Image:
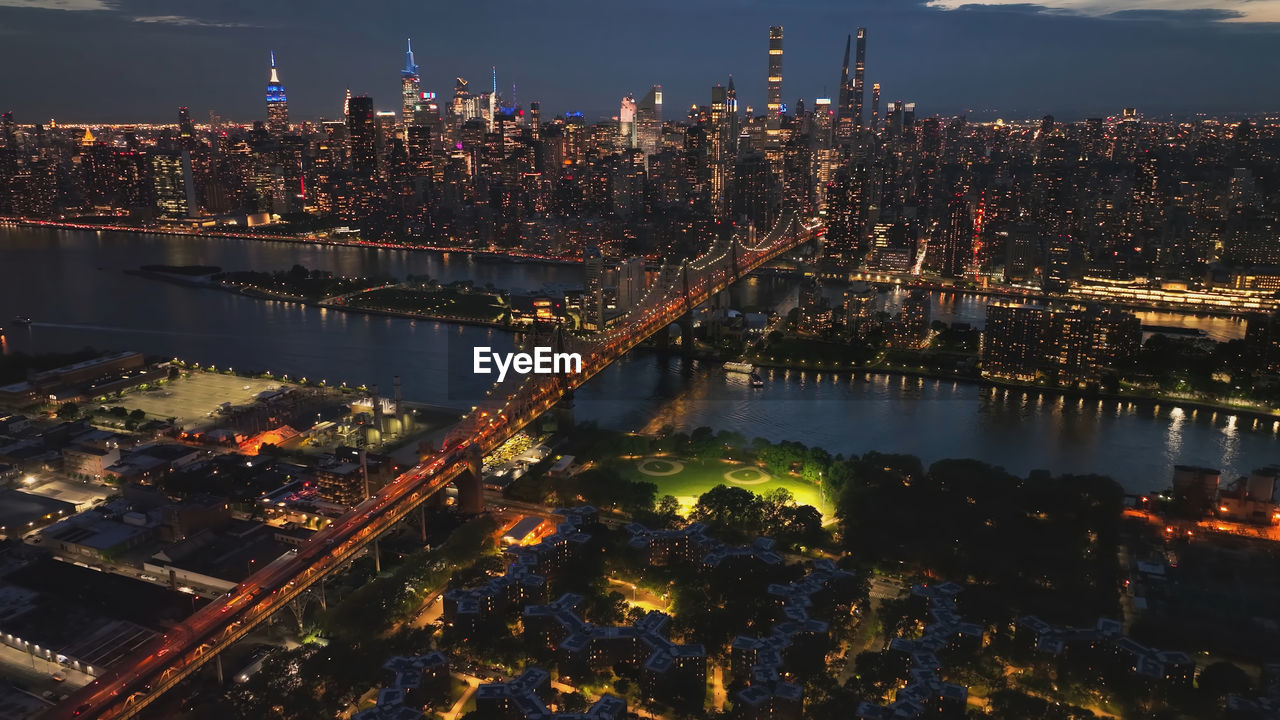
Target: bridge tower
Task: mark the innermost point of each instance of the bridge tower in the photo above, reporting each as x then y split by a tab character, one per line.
686	320
562	411
470	487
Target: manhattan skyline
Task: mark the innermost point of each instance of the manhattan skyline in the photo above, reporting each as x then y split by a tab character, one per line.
1072	59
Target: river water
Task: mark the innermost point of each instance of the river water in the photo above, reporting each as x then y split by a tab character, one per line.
73	285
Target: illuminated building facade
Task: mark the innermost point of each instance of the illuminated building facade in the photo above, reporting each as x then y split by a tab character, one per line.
773	107
627	123
277	102
649	121
409	90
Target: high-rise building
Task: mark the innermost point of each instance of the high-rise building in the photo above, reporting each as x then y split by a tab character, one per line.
773	119
859	308
1013	340
1078	345
535	121
186	129
731	110
277	103
173	184
844	105
875	106
912	328
649	121
719	155
859	77
409	90
957	240
631	282
362	129
627	122
1021	252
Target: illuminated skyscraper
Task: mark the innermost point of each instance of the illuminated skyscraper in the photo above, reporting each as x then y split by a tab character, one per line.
649	121
731	108
535	121
277	103
774	107
844	106
173	184
875	106
186	130
719	156
409	92
627	122
859	71
957	241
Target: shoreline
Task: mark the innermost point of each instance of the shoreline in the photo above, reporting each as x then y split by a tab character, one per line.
256	294
514	256
1141	401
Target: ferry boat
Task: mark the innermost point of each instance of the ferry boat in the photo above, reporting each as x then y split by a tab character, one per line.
756	380
739	367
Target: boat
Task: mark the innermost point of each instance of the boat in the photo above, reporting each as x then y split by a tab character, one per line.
756	380
21	320
739	367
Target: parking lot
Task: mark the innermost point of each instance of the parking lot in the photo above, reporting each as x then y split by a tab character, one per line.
191	399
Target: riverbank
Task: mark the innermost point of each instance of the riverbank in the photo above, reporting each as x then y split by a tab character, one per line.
1136	399
504	255
206	282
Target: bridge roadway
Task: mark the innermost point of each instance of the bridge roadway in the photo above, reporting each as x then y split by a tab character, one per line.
135	682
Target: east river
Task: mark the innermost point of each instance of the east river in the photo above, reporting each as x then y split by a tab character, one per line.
73	286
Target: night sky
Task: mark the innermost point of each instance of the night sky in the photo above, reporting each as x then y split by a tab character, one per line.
137	60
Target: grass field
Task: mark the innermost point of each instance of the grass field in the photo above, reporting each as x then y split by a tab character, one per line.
687	479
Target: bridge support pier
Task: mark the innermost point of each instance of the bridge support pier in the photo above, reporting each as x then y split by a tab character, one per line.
422	521
470	487
218	664
562	413
377	557
662	338
686	333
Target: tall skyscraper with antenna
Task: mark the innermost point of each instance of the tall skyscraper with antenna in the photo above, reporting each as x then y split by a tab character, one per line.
277	103
773	121
409	91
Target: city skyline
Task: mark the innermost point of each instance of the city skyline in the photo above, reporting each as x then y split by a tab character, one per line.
947	58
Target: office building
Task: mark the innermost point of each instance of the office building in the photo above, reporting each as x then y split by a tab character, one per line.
277	102
362	130
649	121
773	107
627	123
859	77
409	89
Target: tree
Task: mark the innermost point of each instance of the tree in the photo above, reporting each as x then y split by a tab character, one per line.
68	411
668	506
1223	678
731	511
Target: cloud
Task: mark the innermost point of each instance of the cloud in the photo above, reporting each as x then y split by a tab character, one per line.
75	5
184	21
1244	11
